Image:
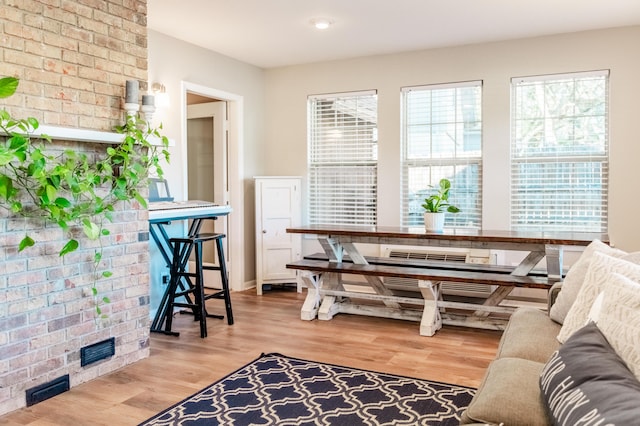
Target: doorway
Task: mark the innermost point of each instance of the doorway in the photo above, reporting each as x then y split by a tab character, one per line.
211	131
207	178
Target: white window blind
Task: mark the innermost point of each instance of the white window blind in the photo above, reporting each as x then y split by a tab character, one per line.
559	152
442	138
343	158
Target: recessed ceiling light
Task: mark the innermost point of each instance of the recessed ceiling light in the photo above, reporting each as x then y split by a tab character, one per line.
321	23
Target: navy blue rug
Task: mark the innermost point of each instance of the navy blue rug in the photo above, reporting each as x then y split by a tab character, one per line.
279	390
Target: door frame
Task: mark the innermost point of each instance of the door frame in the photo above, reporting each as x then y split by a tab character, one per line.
235	171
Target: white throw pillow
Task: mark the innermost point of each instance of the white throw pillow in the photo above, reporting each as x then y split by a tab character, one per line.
619	319
596	308
599	273
575	277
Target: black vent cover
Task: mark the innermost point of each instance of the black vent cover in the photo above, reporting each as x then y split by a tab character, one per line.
47	390
97	351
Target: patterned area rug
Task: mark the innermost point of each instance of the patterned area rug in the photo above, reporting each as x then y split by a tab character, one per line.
279	390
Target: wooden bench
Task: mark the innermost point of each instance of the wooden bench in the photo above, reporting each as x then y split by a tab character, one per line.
324	281
432	264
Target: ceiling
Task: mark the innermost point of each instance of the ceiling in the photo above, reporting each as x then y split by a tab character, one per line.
275	33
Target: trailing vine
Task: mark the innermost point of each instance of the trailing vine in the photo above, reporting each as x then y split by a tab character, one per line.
71	189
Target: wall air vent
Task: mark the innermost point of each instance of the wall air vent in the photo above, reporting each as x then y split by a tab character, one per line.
458	255
47	390
97	351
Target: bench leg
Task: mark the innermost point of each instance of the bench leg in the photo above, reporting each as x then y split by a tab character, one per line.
328	308
431	319
328	305
310	306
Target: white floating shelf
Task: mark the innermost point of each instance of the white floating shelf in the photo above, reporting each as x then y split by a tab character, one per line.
81	135
86	135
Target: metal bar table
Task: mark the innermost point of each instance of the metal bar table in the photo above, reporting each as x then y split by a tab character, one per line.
161	214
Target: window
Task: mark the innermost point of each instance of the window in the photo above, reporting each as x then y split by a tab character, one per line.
442	138
559	152
343	158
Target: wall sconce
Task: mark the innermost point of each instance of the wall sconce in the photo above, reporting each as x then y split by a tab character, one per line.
148	107
131	97
162	97
149	101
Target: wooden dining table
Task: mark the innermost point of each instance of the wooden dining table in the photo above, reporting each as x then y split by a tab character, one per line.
340	244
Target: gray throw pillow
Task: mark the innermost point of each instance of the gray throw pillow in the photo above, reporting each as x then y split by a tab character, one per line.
586	382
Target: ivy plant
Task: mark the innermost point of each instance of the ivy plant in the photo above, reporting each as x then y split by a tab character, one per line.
69	188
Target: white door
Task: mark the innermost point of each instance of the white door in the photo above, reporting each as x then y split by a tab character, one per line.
278	207
207	177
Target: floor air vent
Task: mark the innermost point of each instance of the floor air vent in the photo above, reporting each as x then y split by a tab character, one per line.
97	351
47	390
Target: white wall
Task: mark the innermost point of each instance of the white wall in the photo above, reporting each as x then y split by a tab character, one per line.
495	63
171	62
275	111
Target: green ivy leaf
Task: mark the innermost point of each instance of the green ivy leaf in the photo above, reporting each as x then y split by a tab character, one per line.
6	157
6	187
107	274
26	242
106	299
8	86
140	199
72	245
91	230
62	202
97	257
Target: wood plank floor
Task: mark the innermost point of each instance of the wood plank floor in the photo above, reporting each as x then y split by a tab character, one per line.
180	366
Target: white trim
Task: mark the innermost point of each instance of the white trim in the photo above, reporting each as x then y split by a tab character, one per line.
472	83
562	76
343	94
235	155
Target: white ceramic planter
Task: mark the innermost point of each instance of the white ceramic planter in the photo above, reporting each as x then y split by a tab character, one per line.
434	222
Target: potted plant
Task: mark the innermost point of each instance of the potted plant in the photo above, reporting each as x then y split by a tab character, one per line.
436	205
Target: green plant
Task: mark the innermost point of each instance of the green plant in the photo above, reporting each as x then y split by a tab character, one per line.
439	201
68	188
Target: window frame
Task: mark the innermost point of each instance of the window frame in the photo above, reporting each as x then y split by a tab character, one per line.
471	214
583	207
343	182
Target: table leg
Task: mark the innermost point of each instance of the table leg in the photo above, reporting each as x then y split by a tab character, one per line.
528	263
494	299
332	248
431	320
554	261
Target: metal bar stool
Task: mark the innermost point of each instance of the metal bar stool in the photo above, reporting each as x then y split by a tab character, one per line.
185	283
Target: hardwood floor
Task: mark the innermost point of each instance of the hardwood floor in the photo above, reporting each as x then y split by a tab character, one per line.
180	366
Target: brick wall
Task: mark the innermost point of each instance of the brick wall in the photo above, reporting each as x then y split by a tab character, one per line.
73	58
